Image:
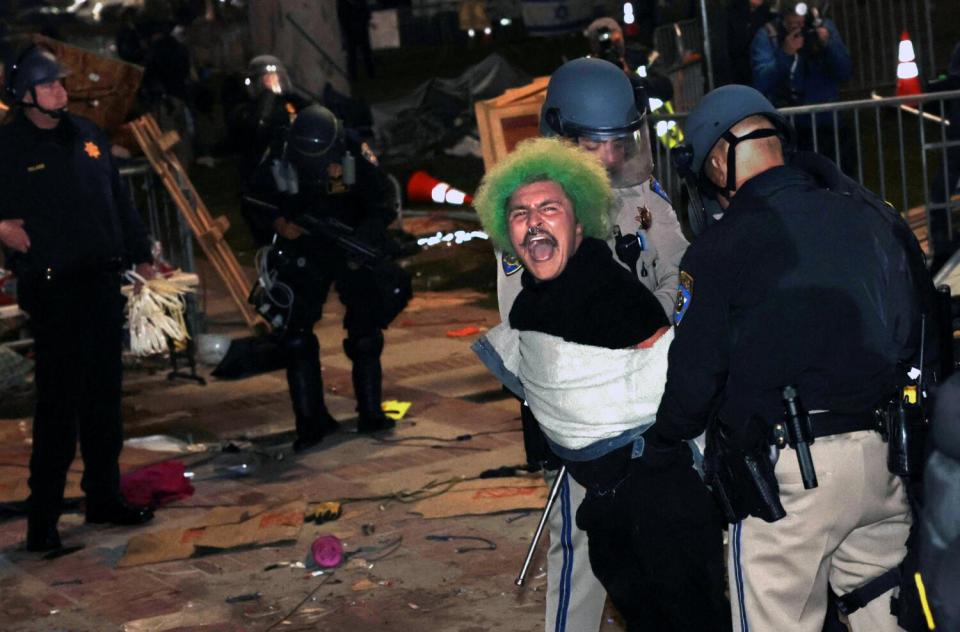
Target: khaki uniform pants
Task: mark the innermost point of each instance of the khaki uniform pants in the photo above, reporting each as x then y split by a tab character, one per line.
847	531
575	598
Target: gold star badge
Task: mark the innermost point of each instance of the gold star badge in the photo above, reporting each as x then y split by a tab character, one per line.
644	217
91	148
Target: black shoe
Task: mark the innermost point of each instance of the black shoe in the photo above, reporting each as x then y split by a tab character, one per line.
374	423
302	444
42	537
118	512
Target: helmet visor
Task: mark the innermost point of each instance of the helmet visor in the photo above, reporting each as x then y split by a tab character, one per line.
270	78
627	158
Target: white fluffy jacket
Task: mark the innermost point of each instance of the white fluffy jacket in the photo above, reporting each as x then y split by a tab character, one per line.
582	394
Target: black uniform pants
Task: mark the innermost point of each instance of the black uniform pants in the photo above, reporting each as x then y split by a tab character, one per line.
356	288
77	327
656	545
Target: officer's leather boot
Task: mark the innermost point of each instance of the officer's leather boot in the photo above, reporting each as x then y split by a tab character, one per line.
116	511
367	382
313	421
42	532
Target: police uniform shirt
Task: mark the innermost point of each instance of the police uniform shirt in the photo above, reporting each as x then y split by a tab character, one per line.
65	186
796	285
645	210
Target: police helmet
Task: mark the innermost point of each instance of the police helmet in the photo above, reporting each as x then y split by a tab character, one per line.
593	101
315	140
33	67
707	123
266	73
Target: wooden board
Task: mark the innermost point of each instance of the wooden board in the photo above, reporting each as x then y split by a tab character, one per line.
157	147
510	118
100	88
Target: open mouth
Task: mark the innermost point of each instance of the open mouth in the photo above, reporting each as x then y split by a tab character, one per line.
540	247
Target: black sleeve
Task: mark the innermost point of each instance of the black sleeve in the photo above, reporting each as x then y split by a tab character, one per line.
376	191
699	355
136	243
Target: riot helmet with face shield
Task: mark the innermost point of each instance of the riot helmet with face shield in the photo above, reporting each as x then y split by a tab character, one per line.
707	124
266	73
316	147
595	104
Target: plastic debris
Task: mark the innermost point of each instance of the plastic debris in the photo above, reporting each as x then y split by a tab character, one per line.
470	330
324	512
242	598
394	409
327	551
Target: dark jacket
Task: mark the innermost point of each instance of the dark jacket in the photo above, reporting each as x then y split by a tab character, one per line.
594	301
65	185
798	284
816	77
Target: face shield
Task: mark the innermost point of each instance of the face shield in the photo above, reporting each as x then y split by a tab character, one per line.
270	78
627	158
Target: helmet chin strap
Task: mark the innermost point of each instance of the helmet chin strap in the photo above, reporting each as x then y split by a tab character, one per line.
733	141
55	114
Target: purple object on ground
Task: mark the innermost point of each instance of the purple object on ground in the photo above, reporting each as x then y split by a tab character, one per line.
327	551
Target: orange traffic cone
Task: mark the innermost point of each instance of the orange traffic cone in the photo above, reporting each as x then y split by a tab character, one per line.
908	75
423	187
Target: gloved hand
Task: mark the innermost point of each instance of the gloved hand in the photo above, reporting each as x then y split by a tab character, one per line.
661	453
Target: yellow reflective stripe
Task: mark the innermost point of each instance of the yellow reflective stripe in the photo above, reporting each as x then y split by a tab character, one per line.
923	601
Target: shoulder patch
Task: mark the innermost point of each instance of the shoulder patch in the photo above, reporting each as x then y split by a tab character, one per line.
656	188
510	264
684	296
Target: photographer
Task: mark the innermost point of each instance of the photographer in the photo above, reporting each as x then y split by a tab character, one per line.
799	59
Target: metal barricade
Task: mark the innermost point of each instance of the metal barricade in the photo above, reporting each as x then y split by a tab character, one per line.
871	30
680	52
898	147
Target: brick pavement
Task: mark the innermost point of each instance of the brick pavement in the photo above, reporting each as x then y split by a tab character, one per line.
423	585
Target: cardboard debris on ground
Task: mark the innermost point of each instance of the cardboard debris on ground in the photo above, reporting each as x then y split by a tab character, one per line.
220	529
193	615
434	300
486	496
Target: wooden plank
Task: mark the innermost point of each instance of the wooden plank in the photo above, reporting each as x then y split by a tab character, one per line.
208	231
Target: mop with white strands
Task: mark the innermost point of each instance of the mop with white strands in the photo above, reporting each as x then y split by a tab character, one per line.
155	314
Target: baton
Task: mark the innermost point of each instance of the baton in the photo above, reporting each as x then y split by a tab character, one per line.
799	435
551	499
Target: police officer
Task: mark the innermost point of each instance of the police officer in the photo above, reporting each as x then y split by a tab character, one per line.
68	228
262	123
322	176
608	121
807	280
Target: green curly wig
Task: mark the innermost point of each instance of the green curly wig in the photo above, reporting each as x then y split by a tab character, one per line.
581	175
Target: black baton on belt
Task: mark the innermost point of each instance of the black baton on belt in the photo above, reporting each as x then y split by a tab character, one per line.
799	435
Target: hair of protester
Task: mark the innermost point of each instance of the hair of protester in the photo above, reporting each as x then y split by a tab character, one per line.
581	176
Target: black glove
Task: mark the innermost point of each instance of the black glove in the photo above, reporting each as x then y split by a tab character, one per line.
661	453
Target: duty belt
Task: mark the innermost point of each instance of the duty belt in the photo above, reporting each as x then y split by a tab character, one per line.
78	272
827	424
